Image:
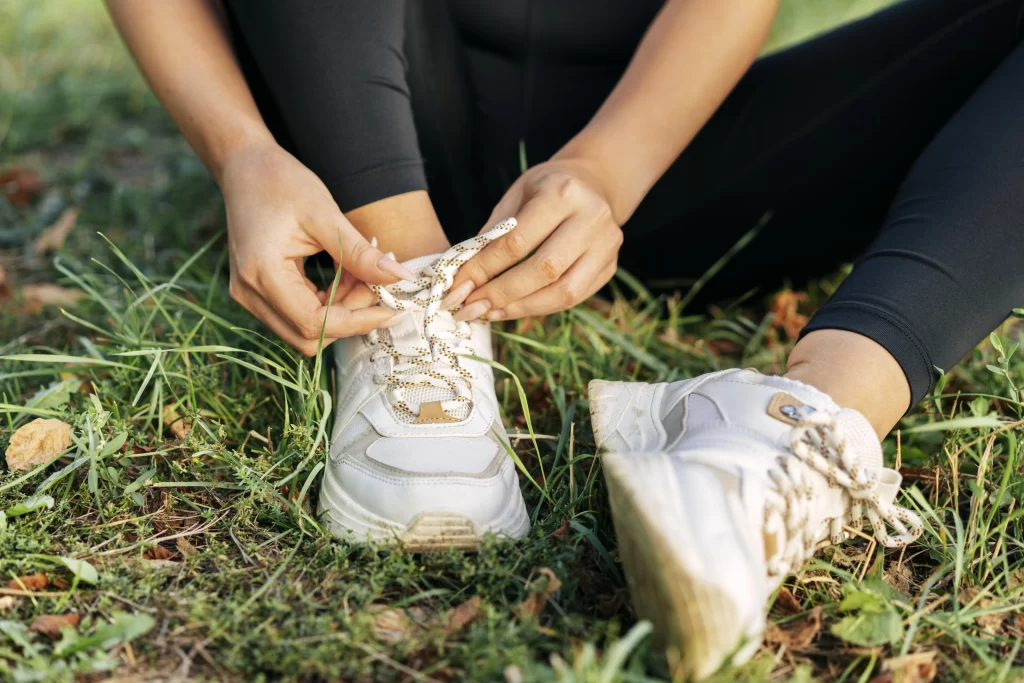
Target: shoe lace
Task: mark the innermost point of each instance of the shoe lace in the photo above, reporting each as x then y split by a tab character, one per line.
817	444
435	364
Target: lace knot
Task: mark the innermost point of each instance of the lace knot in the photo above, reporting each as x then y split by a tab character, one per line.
817	444
435	361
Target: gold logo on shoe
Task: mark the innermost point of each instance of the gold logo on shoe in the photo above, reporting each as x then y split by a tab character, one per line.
433	413
787	408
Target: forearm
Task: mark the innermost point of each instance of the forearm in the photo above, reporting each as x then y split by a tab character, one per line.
692	56
183	51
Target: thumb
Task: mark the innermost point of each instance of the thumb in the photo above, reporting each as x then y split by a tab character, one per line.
358	257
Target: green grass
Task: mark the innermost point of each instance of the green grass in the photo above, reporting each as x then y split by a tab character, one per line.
253	588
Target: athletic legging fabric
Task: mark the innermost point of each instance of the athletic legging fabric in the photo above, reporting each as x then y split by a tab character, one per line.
896	141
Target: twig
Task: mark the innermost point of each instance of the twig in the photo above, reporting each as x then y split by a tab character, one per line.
31	594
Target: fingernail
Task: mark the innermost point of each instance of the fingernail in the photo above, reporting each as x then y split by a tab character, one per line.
496	315
474	310
373	242
393	267
457	295
390	322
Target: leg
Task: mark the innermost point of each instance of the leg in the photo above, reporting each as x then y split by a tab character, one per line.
820	135
331	81
945	270
873	347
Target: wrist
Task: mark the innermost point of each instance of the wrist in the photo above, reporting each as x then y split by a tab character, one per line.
588	152
229	146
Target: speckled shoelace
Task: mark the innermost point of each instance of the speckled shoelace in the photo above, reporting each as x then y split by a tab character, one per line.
437	363
816	443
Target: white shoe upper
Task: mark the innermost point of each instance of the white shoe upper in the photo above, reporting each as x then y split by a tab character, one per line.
765	468
417	427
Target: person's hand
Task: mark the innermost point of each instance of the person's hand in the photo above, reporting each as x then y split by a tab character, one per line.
563	213
279	212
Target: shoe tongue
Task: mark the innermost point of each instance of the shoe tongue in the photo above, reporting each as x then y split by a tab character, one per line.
406	329
807	394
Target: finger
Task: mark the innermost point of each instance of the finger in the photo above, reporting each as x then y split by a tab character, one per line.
507	206
554	257
580	282
345	285
340	321
359	297
256	305
537	219
357	256
307	316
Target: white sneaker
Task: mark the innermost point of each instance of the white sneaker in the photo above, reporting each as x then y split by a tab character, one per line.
419	455
723	485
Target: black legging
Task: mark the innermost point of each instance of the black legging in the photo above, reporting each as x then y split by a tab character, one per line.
905	128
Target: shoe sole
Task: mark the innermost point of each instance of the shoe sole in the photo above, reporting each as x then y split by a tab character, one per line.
430	531
692	618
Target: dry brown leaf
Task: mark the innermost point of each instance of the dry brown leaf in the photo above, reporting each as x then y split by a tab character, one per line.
784	306
799	633
35	582
20	184
59	583
989	623
37	442
786	603
51	624
52	238
563	531
185	548
394	625
534	603
7	603
918	667
898	576
463	614
157	552
34	297
180	427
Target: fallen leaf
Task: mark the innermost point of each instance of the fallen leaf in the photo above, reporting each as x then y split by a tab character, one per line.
185	548
799	633
51	624
7	603
463	614
35	582
34	297
787	318
157	552
52	238
20	184
786	603
562	532
898	576
989	623
37	442
59	583
918	667
179	426
394	625
541	589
